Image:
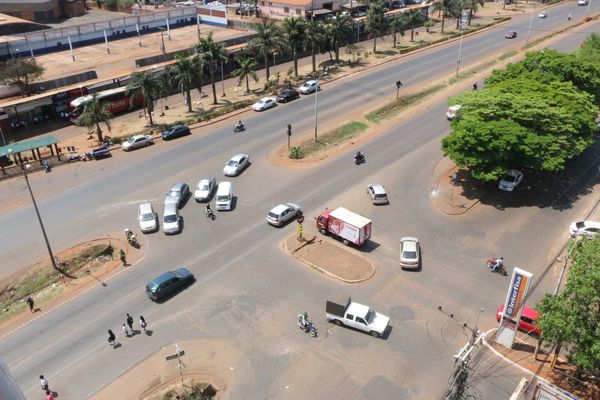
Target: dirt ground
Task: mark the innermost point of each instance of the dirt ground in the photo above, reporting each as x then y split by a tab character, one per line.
332	259
563	376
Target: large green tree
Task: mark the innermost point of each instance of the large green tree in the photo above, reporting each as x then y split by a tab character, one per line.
213	53
550	66
520	123
20	72
186	73
269	38
415	18
573	317
339	27
590	49
148	85
95	113
294	32
375	21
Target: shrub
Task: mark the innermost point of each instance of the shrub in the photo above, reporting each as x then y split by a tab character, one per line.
296	153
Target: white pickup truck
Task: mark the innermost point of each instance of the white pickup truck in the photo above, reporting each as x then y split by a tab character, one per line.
355	315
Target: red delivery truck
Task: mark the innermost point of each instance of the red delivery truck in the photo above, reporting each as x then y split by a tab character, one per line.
350	227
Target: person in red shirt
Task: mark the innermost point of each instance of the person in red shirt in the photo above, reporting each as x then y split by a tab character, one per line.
50	395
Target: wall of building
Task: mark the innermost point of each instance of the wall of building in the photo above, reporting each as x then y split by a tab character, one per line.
81	35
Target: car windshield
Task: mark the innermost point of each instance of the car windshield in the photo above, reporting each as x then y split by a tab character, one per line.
152	286
203	186
380	196
177	274
580	225
173	193
411	255
222	198
131	140
370	316
232	163
509	178
170	218
273	215
148	217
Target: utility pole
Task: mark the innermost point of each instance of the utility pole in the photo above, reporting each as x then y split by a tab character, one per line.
458	384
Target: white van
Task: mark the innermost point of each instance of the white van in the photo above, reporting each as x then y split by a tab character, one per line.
224	196
453	112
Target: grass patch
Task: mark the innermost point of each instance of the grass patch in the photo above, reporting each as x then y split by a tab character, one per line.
41	281
372	118
404	101
334	136
508	54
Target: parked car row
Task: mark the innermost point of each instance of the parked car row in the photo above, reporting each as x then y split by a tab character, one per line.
286	95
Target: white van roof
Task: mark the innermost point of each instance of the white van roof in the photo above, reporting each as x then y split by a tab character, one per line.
224	188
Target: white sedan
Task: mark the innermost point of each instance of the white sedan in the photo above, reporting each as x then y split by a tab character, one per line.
309	87
236	165
584	228
264	103
282	213
410	252
136	142
510	181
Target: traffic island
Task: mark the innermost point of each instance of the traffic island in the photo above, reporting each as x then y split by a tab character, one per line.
332	259
85	265
195	369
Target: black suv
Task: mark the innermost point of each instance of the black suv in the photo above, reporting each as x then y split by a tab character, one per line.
169	283
287	95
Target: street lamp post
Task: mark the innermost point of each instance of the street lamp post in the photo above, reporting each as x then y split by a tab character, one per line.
316	104
24	168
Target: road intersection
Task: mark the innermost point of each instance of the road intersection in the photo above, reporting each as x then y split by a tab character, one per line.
248	291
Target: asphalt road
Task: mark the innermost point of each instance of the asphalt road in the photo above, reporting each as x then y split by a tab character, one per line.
248	293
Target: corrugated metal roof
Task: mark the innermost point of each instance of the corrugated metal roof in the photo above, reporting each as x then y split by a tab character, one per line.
20	147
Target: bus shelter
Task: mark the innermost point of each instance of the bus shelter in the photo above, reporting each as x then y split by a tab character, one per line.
16	150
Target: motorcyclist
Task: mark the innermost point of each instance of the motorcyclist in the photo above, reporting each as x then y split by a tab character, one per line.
239	125
569	17
303	320
359	156
208	210
497	264
475	86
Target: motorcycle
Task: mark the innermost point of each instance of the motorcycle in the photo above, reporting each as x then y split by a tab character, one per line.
209	213
359	158
131	238
239	128
47	166
308	327
491	262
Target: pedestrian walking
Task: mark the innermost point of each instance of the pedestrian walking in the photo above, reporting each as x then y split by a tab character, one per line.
30	302
126	330
43	382
49	395
122	255
112	339
143	323
130	321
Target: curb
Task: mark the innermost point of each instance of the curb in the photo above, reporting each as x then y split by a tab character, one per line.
324	271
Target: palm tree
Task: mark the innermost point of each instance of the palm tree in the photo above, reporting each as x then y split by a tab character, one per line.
186	74
414	18
337	29
313	34
294	32
212	52
148	85
246	69
398	25
94	114
269	38
375	20
444	7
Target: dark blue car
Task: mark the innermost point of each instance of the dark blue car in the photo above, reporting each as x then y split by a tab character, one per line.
175	132
169	283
